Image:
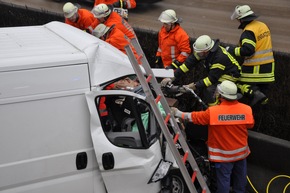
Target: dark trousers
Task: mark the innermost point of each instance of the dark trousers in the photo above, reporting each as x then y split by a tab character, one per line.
235	171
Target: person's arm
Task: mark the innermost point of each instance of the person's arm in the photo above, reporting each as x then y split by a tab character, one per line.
197	117
183	45
247	45
188	65
215	72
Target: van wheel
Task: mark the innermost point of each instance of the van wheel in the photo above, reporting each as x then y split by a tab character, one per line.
178	183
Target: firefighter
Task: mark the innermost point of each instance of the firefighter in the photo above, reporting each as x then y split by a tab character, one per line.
125	4
113	36
79	18
227	136
108	17
255	47
219	64
173	42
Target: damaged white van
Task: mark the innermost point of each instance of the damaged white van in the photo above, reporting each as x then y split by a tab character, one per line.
53	137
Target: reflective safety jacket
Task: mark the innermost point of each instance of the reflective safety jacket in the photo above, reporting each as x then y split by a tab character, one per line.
173	45
115	19
86	21
220	65
130	3
119	40
256	48
228	130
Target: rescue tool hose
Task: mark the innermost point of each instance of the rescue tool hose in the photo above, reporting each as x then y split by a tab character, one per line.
196	96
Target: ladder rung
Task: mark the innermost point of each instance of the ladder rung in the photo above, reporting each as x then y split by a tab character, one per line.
148	79
176	137
158	98
139	58
193	176
185	156
167	118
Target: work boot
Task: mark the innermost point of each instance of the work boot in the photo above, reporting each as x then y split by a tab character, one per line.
258	97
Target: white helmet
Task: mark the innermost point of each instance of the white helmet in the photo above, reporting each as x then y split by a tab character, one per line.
100	30
228	90
168	16
241	11
69	10
101	10
203	44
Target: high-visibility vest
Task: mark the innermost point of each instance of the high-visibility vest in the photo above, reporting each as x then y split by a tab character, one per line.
228	135
263	49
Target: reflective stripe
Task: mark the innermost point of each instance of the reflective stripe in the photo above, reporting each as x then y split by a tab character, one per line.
217	65
225	152
207	82
247	61
173	64
184	68
184	54
227	77
238	51
248	41
256	76
172	49
220	158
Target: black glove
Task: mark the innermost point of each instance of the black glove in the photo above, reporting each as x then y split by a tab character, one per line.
158	62
175	64
120	4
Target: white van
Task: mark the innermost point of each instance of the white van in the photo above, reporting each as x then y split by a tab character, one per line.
53	138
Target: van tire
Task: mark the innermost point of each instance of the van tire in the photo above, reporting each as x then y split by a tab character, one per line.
178	183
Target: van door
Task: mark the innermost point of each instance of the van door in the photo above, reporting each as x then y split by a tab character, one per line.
126	140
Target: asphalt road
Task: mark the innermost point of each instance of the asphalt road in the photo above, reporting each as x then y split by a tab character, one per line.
211	17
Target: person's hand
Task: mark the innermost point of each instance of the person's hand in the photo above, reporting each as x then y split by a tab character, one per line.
190	86
158	62
166	82
175	112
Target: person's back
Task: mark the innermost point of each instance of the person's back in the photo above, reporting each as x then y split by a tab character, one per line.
227	137
79	18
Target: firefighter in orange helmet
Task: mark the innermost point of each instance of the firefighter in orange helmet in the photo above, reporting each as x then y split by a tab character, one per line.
126	4
79	18
227	136
173	42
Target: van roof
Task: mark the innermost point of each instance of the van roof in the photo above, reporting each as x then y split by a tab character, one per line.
58	44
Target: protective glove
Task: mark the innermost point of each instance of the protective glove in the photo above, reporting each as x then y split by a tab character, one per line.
175	112
190	86
158	62
166	82
120	4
